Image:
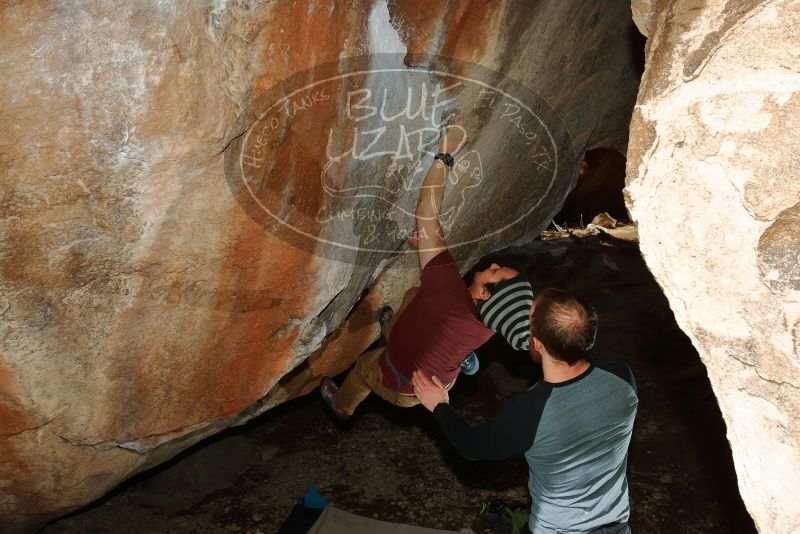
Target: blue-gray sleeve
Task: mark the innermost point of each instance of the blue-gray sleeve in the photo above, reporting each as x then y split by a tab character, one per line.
509	432
621	370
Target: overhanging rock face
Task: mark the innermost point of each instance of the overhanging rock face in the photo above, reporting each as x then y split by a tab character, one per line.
146	301
714	184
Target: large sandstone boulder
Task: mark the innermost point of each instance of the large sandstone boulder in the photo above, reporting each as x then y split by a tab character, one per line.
714	184
145	304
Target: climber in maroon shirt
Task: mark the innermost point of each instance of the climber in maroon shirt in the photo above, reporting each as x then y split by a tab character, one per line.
437	326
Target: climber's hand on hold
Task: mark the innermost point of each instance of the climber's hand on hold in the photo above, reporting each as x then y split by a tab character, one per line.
454	137
413	240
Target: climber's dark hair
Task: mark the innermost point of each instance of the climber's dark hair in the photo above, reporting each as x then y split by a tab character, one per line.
564	323
518	262
483	264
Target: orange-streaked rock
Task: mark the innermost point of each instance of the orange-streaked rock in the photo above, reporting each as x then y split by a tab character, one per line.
142	307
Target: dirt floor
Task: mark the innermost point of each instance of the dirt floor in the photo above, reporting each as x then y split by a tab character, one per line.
394	464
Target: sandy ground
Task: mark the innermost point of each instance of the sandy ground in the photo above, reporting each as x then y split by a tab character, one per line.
395	465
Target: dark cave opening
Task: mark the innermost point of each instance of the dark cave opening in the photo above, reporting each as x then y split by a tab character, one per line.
601	178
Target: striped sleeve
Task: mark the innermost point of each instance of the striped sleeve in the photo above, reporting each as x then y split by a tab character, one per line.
507	312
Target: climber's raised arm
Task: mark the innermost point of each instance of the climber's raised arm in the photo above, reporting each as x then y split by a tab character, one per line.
430	236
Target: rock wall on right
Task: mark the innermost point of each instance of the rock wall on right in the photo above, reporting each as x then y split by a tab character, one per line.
714	185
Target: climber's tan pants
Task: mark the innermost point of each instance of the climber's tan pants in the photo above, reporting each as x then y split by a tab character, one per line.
367	377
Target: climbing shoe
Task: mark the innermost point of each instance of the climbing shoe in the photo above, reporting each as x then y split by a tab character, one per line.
470	365
506	517
385	315
327	387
